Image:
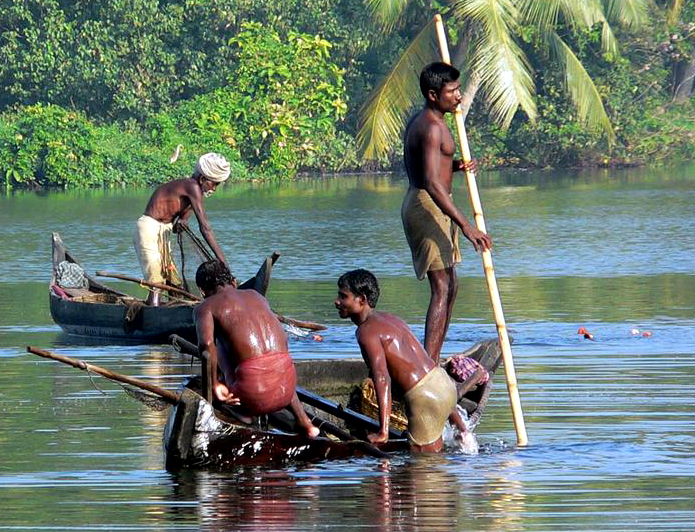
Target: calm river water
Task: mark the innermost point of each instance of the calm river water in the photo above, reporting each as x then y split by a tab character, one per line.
611	422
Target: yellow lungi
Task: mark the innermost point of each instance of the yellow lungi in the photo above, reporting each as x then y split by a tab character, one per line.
431	234
152	245
428	404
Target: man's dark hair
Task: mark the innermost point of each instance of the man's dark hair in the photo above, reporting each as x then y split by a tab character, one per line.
212	274
435	75
361	283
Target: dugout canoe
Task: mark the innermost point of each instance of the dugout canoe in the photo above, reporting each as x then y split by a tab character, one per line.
102	312
198	435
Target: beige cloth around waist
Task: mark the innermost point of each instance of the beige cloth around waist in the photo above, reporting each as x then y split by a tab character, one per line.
428	404
432	235
152	245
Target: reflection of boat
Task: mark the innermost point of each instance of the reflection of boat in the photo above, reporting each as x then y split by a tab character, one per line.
99	311
198	435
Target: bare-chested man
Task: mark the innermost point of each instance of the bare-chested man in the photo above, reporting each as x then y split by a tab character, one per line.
171	204
430	218
247	341
394	355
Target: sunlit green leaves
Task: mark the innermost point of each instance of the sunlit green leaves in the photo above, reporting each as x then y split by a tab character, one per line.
384	111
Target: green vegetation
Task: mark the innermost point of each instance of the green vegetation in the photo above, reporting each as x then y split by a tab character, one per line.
101	93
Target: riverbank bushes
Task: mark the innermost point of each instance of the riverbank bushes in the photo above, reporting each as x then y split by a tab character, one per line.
102	93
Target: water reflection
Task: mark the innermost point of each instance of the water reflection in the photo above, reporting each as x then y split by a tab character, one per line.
419	494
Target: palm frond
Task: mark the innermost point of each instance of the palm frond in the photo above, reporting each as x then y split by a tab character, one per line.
674	11
582	90
387	12
504	69
385	110
586	13
543	15
628	13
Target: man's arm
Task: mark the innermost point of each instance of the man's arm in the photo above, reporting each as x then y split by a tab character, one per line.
375	357
432	181
205	329
196	199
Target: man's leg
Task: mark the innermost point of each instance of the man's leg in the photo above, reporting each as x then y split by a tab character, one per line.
443	288
434	447
153	298
302	419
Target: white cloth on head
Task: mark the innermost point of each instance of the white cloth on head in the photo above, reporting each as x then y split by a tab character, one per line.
214	167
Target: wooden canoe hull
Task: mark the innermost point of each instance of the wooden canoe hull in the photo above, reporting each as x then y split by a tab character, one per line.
147	324
195	437
198	436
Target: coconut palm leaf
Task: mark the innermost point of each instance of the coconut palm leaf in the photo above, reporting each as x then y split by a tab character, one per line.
504	69
587	13
387	12
543	15
582	90
674	11
628	13
384	112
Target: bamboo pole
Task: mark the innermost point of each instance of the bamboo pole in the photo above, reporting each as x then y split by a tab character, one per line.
169	396
510	374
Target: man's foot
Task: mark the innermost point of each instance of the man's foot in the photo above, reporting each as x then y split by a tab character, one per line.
312	431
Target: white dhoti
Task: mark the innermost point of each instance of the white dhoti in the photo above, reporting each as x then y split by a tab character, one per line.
152	245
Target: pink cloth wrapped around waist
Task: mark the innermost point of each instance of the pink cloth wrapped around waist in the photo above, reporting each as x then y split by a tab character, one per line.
266	383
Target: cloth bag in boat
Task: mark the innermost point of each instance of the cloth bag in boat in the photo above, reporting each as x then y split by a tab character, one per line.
70	275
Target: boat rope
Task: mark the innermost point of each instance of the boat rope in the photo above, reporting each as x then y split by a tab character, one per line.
89	374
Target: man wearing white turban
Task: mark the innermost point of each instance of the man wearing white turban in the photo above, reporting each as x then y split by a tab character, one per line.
171	204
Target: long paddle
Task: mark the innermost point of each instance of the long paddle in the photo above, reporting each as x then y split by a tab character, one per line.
167	395
310	398
283	319
510	374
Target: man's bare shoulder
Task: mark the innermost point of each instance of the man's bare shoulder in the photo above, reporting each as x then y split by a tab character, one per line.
424	128
380	324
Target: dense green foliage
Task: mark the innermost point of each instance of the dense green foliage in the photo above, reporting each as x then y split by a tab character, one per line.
101	93
267	116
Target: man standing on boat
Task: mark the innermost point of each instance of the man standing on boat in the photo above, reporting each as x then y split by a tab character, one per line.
394	355
245	339
430	217
170	205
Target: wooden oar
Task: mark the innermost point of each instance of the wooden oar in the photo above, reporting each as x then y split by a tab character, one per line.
149	284
283	319
167	395
184	346
517	414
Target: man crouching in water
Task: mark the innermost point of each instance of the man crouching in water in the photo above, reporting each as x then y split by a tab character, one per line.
246	340
392	353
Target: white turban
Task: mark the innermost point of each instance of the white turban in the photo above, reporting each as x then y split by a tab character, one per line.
214	167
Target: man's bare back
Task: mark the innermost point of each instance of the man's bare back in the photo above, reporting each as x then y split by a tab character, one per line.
172	200
406	360
243	323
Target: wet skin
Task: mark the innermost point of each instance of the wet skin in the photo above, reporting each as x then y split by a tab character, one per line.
173	202
393	355
429	160
236	325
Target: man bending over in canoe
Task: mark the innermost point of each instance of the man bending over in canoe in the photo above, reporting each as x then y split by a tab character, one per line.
393	354
171	204
247	341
